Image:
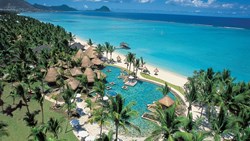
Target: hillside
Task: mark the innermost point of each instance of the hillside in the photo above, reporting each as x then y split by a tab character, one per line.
103	9
17	5
54	8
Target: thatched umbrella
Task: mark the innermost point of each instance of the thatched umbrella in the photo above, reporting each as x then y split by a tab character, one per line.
166	101
118	58
76	71
156	71
79	55
86	62
90	75
91	52
72	83
100	74
52	75
97	61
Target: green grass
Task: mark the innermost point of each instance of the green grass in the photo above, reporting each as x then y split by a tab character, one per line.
17	129
178	88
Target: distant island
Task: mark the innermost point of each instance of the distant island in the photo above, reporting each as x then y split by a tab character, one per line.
103	9
22	6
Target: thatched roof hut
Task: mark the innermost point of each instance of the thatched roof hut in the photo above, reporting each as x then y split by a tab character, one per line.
86	62
166	101
90	75
91	52
72	83
97	61
51	76
76	71
77	46
100	74
79	55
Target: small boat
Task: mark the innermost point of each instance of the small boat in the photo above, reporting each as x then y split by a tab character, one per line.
124	45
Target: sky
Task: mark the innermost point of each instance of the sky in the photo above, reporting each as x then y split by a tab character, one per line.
240	8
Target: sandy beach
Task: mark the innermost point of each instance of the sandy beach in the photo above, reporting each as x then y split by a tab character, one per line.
163	74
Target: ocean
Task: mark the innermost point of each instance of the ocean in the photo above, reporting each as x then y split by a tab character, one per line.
178	43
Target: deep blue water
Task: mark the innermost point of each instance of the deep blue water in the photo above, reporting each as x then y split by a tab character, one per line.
142	93
173	45
189	19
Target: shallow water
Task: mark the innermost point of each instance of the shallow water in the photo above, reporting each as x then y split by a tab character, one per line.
181	48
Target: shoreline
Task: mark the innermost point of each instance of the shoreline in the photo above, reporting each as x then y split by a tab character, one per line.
166	75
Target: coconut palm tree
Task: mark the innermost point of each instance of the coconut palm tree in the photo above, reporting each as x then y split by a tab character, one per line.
89	42
22	93
192	136
37	134
99	87
111	49
106	48
30	118
3	130
130	59
164	90
53	126
136	65
106	137
84	82
142	62
120	114
40	99
100	116
168	125
67	96
99	50
190	93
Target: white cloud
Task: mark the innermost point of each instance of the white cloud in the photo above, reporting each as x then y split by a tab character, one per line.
145	1
195	3
227	5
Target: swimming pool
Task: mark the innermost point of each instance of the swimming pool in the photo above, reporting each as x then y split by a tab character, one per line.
142	93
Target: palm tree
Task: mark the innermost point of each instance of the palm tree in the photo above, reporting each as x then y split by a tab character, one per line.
164	90
89	42
106	137
100	116
142	62
192	136
40	99
22	93
190	93
111	49
106	48
136	65
121	114
168	125
130	59
3	131
68	95
84	82
99	87
37	134
54	127
99	50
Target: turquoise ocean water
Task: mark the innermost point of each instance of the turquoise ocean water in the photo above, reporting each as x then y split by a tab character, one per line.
178	47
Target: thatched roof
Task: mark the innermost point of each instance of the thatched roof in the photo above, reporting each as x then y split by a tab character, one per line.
72	83
91	52
79	55
77	46
86	62
76	71
52	75
166	101
97	61
100	74
90	74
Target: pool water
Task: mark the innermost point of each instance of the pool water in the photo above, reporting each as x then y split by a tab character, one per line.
142	93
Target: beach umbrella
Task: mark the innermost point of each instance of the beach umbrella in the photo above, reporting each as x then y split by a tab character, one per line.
166	101
156	70
90	52
131	77
86	62
90	138
118	58
82	133
73	83
97	61
51	75
78	95
76	71
90	75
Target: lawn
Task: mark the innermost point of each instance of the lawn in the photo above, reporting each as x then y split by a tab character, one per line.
17	129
